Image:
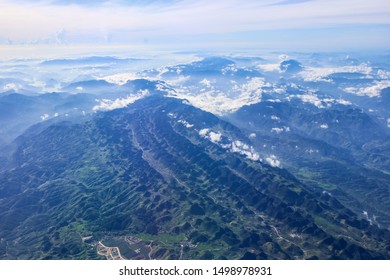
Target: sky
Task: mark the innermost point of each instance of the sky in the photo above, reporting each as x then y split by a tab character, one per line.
299	25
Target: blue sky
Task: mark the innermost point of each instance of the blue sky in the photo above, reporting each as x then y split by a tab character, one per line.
189	24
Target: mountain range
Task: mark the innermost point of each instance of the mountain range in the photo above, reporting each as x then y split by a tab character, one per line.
219	158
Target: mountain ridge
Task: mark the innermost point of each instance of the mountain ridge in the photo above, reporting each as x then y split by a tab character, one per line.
138	170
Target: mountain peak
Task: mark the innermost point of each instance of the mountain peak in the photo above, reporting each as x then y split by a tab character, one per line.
290	66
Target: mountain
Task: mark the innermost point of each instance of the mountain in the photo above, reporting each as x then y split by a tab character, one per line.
162	179
220	157
290	66
94	86
18	111
341	150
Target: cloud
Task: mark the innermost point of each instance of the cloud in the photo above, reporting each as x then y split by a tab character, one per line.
95	3
108	104
108	2
214	137
324	126
320	103
221	102
313	74
279	130
244	149
44	117
373	90
135	21
383	74
273	161
203	132
269	67
290	2
121	78
236	146
310	98
206	83
185	123
12	86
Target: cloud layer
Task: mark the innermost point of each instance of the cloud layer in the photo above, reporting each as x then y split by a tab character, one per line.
57	22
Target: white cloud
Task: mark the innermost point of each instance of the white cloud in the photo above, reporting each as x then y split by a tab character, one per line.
373	90
232	146
38	84
44	117
254	86
221	102
206	83
229	69
12	86
171	115
215	137
203	132
320	103
252	135
178	81
240	145
324	126
343	102
383	74
279	90
388	122
43	19
244	149
283	57
274	100
121	78
273	161
313	74
310	98
275	118
269	67
327	193
108	104
279	130
185	123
